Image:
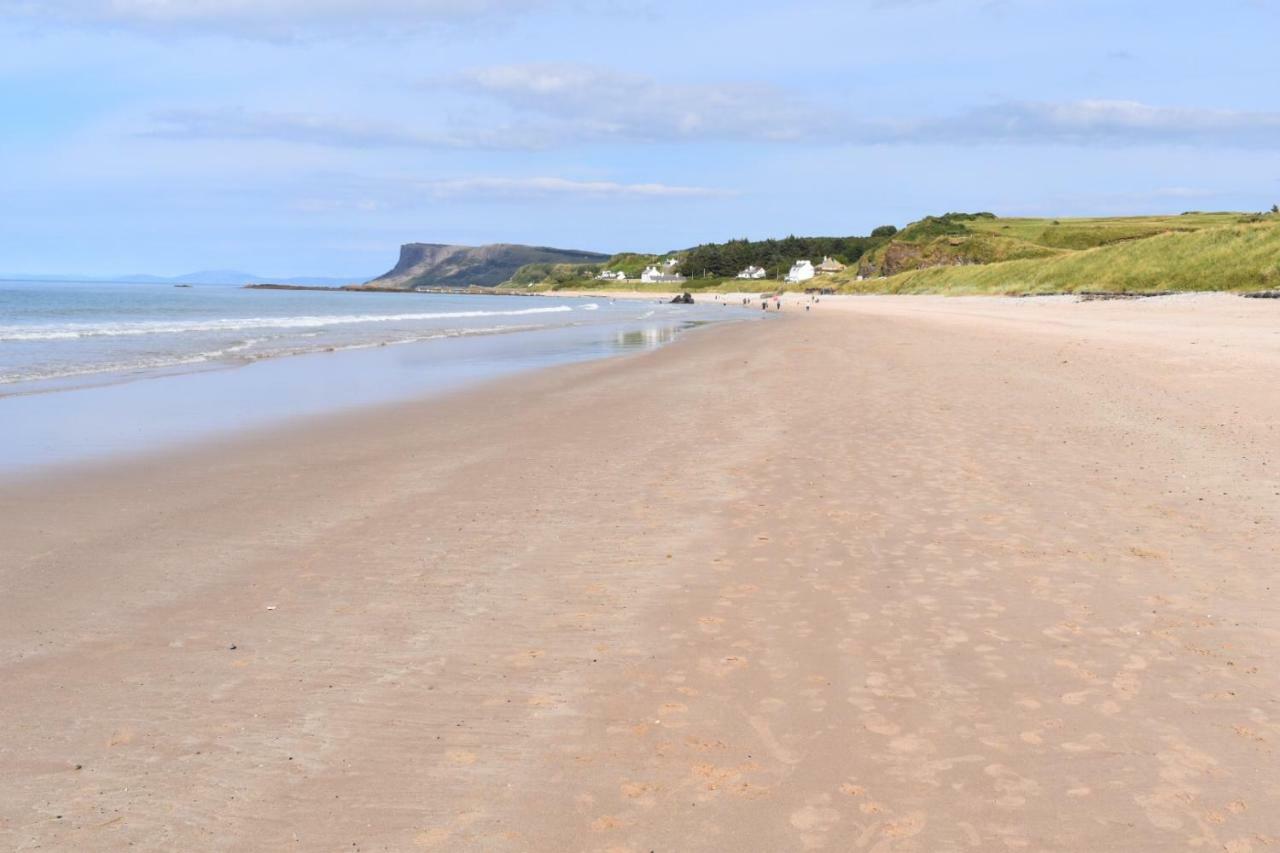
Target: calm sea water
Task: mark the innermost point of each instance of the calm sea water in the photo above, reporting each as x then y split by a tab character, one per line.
92	370
57	330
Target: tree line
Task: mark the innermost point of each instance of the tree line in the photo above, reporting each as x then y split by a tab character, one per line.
725	260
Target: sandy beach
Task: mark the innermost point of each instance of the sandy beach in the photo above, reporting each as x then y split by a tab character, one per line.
891	574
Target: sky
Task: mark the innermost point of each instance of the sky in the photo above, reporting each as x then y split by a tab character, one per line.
313	137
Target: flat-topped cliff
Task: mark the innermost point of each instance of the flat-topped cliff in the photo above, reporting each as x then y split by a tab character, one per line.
441	265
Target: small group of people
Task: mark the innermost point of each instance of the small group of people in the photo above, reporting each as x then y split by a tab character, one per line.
764	302
777	302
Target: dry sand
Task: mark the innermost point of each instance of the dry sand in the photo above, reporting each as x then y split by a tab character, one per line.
891	575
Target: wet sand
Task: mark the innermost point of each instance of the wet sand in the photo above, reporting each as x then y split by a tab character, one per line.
901	574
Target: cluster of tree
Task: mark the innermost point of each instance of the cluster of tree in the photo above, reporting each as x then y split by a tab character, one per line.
558	274
941	226
725	260
1261	216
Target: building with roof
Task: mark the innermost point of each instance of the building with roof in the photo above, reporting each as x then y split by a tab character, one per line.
830	266
652	275
801	271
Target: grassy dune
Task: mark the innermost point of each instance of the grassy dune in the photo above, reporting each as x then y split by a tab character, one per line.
1088	233
1214	257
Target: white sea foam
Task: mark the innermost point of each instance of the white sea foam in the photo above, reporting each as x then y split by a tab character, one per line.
72	331
240	352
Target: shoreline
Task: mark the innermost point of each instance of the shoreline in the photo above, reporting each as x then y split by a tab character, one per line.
103	413
795	585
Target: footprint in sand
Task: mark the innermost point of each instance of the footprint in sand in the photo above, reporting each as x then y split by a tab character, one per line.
1089	743
1013	788
723	666
639	792
878	724
814	821
912	824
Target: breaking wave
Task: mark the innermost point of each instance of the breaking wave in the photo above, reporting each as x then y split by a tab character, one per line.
72	331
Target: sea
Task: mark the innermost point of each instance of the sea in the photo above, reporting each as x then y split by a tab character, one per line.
89	371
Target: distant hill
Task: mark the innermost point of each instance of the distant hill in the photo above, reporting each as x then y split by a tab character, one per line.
981	253
439	265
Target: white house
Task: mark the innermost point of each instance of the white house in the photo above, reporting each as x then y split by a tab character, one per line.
652	274
610	275
801	271
753	273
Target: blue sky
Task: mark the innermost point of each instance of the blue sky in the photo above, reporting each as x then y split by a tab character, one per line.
312	137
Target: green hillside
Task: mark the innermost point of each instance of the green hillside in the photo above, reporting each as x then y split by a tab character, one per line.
1088	233
1201	252
982	253
707	266
958	239
577	276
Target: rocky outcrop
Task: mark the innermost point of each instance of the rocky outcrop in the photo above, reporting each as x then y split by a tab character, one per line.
440	265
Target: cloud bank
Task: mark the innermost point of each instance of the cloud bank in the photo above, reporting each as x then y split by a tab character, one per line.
543	106
271	19
486	187
405	194
324	130
1092	122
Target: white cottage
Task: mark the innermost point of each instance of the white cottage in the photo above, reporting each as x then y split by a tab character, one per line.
801	271
652	275
753	273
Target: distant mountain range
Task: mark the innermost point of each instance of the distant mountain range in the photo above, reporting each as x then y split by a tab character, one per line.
440	265
201	277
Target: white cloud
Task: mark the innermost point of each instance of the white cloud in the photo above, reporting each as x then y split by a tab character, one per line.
527	107
543	187
262	18
1092	122
583	104
399	194
586	103
330	131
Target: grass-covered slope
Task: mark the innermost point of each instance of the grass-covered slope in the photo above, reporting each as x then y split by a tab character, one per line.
958	239
1089	233
1214	256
